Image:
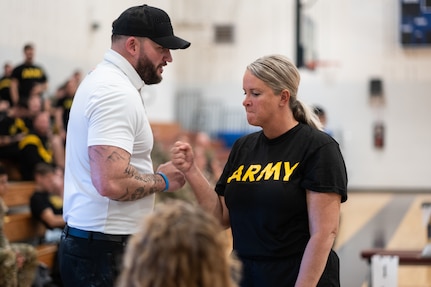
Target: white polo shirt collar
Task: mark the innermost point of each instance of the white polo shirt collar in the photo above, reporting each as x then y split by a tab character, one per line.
116	59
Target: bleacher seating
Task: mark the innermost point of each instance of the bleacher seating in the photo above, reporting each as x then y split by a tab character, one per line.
19	225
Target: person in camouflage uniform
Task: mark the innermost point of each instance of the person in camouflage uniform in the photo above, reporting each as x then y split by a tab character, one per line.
18	261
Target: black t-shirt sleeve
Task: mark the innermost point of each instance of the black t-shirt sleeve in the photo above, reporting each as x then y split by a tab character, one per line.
16	73
38	204
29	157
326	171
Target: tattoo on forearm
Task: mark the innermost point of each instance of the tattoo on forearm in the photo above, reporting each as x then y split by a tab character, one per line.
130	171
141	191
133	173
128	195
147	184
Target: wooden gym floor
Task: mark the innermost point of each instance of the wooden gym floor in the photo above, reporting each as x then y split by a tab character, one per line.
381	220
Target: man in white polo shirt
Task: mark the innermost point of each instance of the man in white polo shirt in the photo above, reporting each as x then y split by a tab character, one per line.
109	178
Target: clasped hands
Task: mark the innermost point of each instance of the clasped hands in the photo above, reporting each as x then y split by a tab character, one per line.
182	160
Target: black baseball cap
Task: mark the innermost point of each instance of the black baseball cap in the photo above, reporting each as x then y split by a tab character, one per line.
150	22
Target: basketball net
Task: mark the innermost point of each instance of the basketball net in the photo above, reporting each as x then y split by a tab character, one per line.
314	64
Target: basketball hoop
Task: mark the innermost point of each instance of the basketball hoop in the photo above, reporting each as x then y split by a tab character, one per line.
311	65
314	64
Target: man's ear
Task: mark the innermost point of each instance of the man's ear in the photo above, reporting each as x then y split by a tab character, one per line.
132	45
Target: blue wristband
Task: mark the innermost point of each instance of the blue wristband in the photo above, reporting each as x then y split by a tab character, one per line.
165	178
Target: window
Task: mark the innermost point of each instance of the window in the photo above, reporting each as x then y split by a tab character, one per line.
223	34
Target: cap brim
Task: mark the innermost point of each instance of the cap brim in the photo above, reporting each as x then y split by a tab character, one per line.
172	42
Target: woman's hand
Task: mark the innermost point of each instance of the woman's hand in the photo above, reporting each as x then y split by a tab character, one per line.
182	156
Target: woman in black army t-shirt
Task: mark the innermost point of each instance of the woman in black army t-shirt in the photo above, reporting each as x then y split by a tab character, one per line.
281	188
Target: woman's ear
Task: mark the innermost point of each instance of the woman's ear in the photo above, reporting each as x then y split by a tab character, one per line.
284	97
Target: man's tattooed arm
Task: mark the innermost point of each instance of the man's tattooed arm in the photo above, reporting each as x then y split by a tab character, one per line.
114	177
151	184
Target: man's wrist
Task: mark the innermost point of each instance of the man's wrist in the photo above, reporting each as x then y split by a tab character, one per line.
166	180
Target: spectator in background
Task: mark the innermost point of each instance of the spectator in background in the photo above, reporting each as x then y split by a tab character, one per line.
63	105
18	261
25	75
179	245
36	101
5	82
40	145
46	206
77	77
18	121
46	203
321	114
13	127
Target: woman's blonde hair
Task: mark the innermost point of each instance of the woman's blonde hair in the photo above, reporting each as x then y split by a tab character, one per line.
179	245
279	73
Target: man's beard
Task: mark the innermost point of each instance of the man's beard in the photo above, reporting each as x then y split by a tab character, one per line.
147	71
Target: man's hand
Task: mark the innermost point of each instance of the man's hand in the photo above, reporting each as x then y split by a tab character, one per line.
174	175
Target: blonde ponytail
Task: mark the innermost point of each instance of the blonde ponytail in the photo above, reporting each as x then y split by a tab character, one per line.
304	114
